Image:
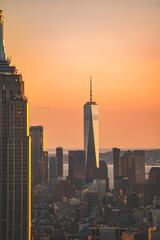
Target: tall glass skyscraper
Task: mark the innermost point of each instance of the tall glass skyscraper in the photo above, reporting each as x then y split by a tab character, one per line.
15	161
91	136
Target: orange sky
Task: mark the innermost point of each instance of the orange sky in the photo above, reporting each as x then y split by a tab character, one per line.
57	44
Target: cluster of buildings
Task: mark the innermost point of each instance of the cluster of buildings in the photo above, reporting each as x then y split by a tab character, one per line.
37	202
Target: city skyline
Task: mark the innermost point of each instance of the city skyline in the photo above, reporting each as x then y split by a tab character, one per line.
117	44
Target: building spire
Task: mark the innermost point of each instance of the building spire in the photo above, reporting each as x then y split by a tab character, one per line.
90	89
2	46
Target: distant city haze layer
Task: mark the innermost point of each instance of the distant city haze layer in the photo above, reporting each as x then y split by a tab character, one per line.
57	45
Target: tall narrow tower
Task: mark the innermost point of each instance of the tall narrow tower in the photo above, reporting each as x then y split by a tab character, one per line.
37	147
15	162
91	136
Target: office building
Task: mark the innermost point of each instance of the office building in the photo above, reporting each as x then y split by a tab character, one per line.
77	173
154	178
15	158
52	171
139	164
132	166
116	161
59	157
37	142
116	170
91	136
44	168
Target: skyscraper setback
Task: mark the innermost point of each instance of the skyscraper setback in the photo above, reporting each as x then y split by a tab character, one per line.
91	136
15	161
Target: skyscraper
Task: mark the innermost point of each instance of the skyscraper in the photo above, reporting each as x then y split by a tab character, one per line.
77	173
116	161
52	171
37	140
44	168
139	164
59	157
116	172
15	161
91	136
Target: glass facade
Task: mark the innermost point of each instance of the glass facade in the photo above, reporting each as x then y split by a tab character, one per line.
91	138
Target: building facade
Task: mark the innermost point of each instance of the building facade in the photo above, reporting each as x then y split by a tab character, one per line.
59	157
37	141
91	137
15	157
52	171
77	173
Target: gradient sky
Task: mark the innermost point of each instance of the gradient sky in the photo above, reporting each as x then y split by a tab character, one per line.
57	44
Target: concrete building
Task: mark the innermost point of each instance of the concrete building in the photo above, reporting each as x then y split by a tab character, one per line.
15	159
91	137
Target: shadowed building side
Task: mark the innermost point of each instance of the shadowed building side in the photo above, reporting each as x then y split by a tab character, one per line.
77	173
37	141
59	157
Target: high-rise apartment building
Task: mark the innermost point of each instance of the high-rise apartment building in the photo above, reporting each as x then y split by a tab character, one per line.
77	173
37	142
59	157
91	136
15	161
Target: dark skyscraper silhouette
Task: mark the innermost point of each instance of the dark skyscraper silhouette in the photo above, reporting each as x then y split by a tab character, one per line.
77	173
116	173
52	170
59	157
15	162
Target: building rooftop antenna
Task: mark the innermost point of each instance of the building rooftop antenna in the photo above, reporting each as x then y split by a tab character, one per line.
91	89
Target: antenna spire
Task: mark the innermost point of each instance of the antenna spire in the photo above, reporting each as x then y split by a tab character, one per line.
90	89
2	47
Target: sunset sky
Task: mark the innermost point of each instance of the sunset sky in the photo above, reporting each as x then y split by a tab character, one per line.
58	44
